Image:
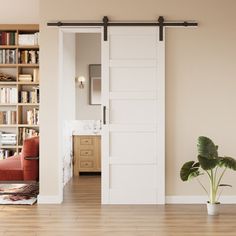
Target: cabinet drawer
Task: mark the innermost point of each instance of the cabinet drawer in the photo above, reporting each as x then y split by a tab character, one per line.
86	164
86	141
85	153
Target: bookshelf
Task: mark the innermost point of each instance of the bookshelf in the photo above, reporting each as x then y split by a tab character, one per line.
19	86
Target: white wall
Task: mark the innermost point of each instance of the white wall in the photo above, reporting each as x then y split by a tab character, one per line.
88	51
200	79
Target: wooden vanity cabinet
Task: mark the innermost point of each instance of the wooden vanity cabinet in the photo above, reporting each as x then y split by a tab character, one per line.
87	153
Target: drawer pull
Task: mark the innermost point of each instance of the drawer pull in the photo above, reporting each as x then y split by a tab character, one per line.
104	115
86	141
88	164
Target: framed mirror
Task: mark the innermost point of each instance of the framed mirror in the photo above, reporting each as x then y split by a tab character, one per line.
95	84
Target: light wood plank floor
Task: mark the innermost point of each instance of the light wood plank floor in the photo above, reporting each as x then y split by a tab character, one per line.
81	214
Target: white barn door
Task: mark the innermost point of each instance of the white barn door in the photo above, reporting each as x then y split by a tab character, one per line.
133	135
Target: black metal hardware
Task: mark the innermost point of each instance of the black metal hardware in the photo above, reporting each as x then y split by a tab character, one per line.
31	158
161	26
59	24
104	115
105	23
184	23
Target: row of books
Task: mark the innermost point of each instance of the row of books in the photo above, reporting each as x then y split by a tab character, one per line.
10	38
28	39
5	153
7	38
29	96
8	139
25	133
7	56
8	95
32	116
7	117
29	57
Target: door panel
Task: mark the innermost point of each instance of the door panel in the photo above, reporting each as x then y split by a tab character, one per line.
121	79
133	135
140	176
123	147
144	44
132	111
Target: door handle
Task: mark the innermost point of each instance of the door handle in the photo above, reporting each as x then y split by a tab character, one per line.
104	114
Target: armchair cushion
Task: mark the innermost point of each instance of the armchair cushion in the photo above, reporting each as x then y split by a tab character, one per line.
10	169
19	168
30	166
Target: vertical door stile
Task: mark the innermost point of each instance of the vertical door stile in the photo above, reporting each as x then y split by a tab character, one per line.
105	121
161	119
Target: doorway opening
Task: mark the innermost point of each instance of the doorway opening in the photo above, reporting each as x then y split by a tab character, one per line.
81	64
87	129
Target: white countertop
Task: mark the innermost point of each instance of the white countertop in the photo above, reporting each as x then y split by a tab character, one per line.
86	133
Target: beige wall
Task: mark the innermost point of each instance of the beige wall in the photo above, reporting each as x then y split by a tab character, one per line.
200	78
19	12
88	51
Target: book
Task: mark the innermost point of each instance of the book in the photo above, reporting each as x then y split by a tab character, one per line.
32	116
25	133
12	56
36	75
26	39
5	153
25	77
32	57
8	135
8	95
23	96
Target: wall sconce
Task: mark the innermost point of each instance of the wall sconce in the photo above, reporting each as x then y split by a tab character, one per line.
81	81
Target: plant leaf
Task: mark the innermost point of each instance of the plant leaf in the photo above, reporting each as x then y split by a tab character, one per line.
228	162
189	170
194	174
196	164
206	148
206	163
225	185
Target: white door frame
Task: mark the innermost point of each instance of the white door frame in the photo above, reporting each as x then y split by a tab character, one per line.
160	109
61	32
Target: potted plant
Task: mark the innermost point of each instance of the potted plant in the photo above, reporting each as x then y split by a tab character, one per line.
213	166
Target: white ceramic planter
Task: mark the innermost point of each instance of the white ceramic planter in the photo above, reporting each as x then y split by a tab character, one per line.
213	209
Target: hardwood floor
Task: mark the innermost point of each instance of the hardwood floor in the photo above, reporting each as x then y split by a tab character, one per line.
81	214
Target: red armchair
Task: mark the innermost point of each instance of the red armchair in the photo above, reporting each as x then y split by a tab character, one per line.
24	167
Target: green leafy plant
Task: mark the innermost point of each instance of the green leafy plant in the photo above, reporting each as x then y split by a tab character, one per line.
211	164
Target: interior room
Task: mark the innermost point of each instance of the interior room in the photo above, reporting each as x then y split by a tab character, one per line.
84	132
117	117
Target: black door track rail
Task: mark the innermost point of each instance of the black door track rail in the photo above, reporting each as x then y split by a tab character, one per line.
161	23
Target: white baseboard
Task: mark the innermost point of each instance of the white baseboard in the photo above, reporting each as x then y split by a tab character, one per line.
52	199
57	199
198	199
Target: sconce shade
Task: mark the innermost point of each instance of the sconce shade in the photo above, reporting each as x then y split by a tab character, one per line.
81	81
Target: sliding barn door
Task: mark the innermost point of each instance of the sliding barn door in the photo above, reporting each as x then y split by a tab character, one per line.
133	116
